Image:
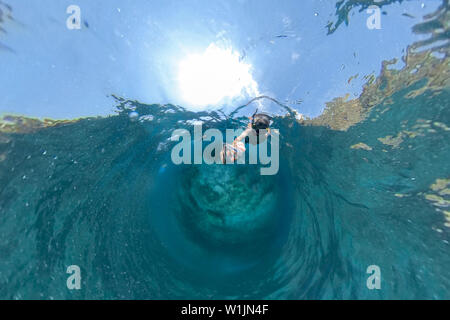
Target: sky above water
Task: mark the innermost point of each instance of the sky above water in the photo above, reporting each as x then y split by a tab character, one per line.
164	52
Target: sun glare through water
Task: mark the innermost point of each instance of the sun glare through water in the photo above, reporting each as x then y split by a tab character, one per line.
213	77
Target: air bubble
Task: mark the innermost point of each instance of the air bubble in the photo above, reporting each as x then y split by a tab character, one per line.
133	115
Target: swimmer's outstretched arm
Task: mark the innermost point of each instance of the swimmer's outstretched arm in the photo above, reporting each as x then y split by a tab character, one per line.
243	134
246	132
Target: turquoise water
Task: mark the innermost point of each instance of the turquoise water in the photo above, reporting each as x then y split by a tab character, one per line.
366	184
103	194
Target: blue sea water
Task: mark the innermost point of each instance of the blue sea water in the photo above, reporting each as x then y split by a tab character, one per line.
103	194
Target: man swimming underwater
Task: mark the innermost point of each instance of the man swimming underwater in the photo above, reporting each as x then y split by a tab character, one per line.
257	131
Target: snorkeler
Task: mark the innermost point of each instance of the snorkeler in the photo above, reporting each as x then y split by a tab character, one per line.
257	131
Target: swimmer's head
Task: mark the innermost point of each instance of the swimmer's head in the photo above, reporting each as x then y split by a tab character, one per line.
261	121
